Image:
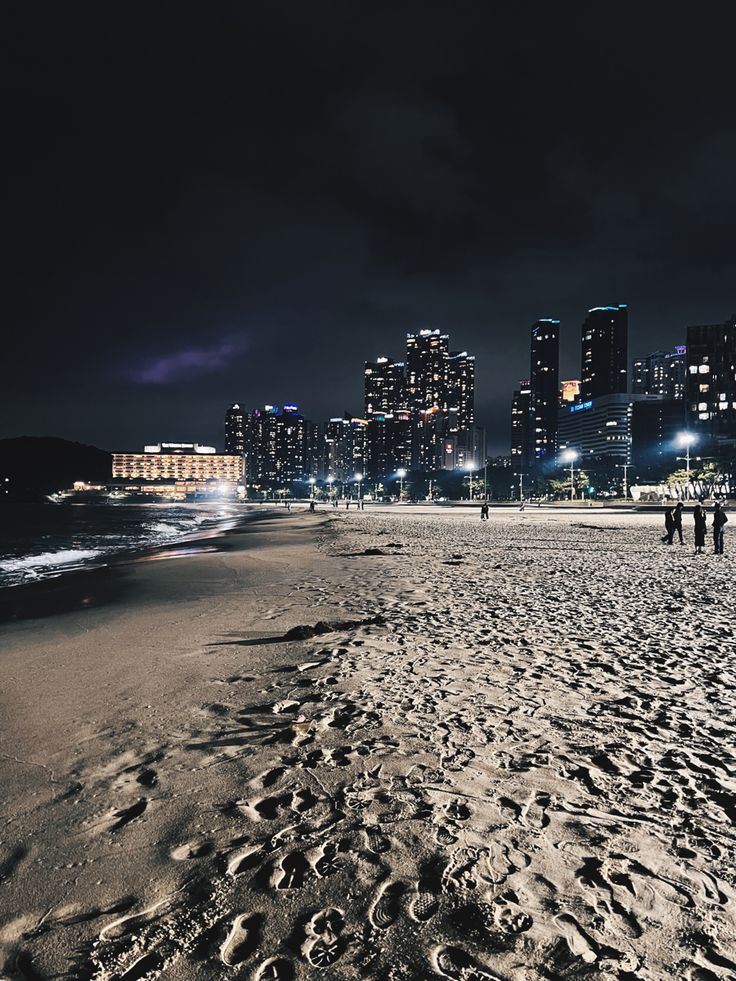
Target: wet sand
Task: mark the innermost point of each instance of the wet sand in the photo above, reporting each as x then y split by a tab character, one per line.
393	744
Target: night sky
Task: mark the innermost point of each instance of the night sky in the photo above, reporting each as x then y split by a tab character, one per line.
246	201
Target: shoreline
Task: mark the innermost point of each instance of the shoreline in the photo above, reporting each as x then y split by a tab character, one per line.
96	582
386	744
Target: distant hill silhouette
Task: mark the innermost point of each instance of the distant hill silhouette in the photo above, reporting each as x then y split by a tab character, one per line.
38	465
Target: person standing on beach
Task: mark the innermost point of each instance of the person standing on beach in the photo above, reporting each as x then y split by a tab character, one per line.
669	526
484	512
678	522
700	526
719	520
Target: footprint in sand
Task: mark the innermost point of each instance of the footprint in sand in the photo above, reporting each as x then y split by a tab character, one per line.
274	969
142	967
241	941
424	903
245	859
376	841
455	963
580	943
509	916
386	907
291	872
324	945
191	850
534	813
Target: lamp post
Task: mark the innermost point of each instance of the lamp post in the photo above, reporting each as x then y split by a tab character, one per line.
312	482
686	440
401	473
329	487
521	484
571	456
358	479
625	467
470	467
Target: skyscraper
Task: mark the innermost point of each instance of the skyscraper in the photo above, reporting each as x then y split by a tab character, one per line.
384	386
237	424
521	415
427	370
545	395
711	378
461	391
604	352
661	373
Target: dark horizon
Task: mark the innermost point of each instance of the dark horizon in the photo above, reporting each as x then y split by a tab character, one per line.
247	205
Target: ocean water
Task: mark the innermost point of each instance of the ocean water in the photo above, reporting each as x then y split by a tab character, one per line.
40	541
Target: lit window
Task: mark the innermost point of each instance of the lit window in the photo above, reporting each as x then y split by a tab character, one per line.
704	369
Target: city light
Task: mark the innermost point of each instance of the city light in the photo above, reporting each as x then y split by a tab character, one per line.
570	456
686	439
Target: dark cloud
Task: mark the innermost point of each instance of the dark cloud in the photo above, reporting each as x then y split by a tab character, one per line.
319	179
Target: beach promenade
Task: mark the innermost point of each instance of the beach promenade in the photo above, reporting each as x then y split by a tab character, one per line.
397	744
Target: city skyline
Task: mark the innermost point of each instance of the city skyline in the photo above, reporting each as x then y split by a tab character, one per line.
184	231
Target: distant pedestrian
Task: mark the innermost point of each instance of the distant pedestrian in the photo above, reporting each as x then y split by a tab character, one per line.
484	512
719	520
678	521
347	505
362	505
522	505
700	526
311	506
669	526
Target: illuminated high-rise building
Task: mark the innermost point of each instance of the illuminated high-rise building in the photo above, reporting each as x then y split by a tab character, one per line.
280	442
384	386
521	427
604	352
661	373
345	448
237	426
544	380
461	391
711	379
427	370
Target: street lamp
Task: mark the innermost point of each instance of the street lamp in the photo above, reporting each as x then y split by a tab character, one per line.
312	481
571	456
401	473
686	440
358	478
521	484
470	467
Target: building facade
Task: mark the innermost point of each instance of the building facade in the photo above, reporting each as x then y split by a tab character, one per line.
521	415
383	386
237	426
599	430
604	352
461	392
177	462
655	426
661	373
544	378
427	370
711	379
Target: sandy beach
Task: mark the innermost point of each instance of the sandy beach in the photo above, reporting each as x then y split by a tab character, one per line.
397	744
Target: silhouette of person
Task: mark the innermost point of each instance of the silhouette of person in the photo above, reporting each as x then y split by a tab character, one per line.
484	512
669	526
700	526
678	522
719	520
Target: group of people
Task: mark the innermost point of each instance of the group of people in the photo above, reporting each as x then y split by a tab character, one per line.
673	526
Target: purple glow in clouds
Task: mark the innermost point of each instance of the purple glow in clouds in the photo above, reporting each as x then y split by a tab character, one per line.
187	363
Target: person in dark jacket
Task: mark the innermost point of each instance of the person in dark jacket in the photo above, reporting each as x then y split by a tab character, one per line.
700	526
669	526
677	515
719	520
